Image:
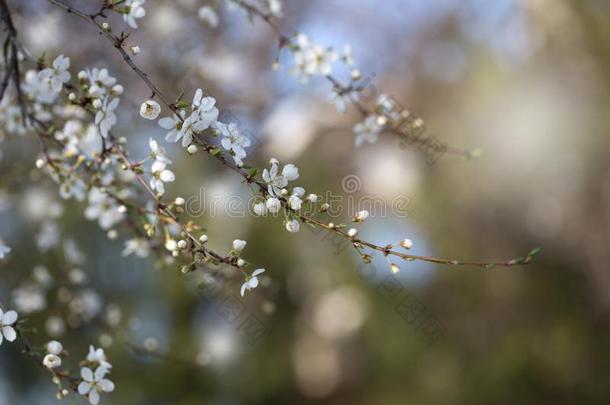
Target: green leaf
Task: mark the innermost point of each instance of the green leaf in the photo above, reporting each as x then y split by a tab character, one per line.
182	104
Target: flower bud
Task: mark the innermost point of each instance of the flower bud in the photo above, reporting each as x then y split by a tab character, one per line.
406	243
117	89
361	216
239	245
51	361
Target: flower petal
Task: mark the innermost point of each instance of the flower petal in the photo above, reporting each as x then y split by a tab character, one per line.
84	388
258	271
86	374
106	385
94	397
9	333
9	318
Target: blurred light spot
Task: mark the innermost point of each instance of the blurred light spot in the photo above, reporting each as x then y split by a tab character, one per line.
39	205
339	313
220	343
316	366
225	68
290	127
44	32
396	173
165	19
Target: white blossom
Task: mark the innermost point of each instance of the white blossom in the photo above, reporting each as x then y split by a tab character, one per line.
275	182
98	356
138	246
57	75
103	208
7	320
251	281
183	130
94	383
368	130
135	10
99	81
106	118
311	59
38	87
233	141
150	109
347	57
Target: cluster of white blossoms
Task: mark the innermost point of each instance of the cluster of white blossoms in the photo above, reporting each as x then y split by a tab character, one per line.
387	114
311	59
160	174
103	91
95	382
204	116
277	190
369	129
44	86
103	208
7	322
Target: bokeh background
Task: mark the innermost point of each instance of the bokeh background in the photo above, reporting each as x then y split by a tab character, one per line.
525	80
